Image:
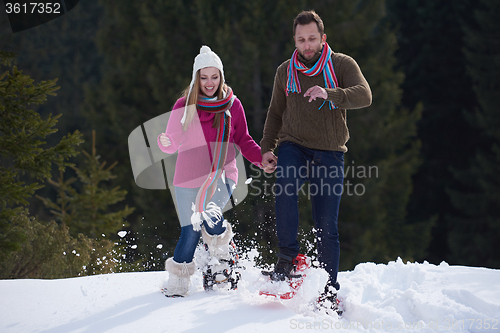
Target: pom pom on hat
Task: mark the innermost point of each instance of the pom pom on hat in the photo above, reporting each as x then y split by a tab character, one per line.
205	49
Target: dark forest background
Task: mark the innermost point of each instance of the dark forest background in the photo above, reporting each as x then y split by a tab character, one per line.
432	132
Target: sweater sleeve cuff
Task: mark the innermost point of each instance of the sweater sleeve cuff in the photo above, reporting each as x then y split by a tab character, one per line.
266	146
334	95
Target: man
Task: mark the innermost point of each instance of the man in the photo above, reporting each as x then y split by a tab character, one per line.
307	120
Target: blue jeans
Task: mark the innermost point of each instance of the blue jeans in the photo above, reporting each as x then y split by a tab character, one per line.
325	172
186	245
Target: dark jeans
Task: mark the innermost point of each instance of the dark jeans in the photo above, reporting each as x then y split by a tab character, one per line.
325	172
186	245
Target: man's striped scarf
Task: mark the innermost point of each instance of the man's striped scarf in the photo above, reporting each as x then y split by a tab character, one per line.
323	65
202	208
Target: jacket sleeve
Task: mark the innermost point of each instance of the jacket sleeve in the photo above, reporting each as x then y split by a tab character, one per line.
248	147
354	93
174	129
274	119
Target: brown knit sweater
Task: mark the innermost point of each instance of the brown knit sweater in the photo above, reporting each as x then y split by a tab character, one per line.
293	118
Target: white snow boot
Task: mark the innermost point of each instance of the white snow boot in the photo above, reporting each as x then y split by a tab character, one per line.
223	259
179	278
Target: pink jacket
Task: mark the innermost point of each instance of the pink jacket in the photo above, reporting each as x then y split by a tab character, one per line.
195	155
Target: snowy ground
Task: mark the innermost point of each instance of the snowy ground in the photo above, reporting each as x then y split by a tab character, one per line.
396	297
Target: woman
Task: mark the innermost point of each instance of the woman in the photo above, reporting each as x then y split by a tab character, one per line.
205	124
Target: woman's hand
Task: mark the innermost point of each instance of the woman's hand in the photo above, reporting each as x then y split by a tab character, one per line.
164	140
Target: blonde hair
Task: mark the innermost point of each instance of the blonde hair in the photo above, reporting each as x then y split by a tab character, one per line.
192	96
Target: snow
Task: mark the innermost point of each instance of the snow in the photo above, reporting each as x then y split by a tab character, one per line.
392	297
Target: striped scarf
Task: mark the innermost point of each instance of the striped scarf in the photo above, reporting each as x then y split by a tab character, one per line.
323	65
202	208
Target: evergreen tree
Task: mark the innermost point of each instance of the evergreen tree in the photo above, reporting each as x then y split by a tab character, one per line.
430	42
63	48
87	209
475	227
30	248
26	160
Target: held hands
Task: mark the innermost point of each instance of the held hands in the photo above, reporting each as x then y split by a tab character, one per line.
269	162
315	92
164	140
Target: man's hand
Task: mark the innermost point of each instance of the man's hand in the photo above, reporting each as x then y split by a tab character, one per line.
164	140
315	92
269	162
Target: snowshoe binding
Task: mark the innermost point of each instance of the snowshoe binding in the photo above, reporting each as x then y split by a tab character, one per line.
285	269
291	271
220	271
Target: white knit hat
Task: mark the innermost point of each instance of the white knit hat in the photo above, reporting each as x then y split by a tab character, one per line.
206	58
